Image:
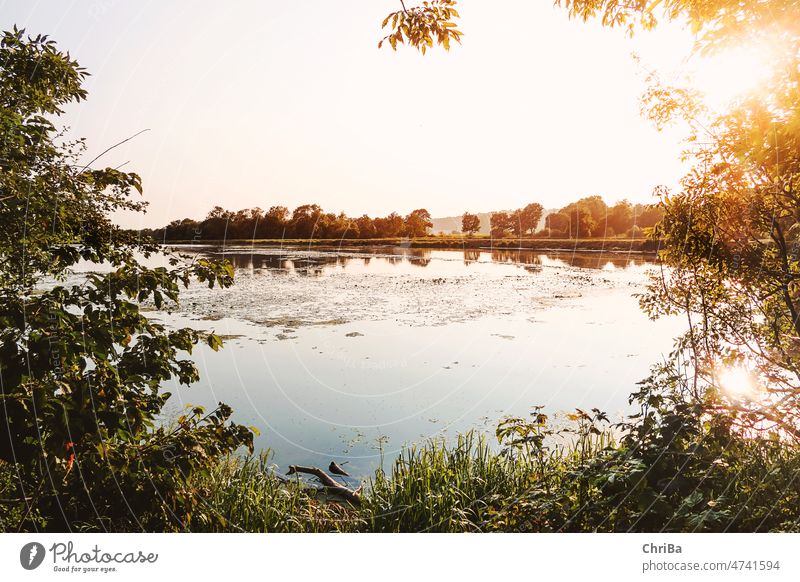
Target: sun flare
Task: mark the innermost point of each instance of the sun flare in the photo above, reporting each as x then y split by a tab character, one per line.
734	73
737	381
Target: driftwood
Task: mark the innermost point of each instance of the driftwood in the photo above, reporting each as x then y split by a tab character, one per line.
330	485
337	470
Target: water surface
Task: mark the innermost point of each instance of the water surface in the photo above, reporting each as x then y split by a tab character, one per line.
339	354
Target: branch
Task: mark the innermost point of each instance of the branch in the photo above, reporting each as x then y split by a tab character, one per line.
112	147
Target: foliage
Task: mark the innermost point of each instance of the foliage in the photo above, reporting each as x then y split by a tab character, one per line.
592	217
421	25
715	22
308	221
417	223
666	469
526	219
470	224
500	225
730	242
81	366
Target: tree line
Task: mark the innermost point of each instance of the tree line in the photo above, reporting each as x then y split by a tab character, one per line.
592	217
307	221
588	217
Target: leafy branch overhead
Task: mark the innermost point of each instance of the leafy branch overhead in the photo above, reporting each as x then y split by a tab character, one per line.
420	25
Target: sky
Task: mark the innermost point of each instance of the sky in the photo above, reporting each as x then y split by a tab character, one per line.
261	103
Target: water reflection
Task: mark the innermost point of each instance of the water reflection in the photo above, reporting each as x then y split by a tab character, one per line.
322	261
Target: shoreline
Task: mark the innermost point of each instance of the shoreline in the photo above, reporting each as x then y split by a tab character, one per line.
645	247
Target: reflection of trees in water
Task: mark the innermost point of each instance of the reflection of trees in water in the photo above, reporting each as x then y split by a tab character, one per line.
281	264
471	256
596	260
533	260
420	262
318	264
518	256
419	257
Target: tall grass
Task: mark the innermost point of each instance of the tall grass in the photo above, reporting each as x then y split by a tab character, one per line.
587	483
438	488
245	494
433	487
710	480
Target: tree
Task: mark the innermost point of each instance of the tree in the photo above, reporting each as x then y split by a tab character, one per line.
501	224
647	215
557	223
418	222
730	234
620	217
391	226
81	365
366	227
305	221
215	226
275	221
528	218
580	223
470	224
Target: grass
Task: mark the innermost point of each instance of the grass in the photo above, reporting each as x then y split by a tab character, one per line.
430	488
590	483
245	494
701	476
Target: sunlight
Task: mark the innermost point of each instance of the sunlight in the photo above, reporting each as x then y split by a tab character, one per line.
738	382
734	73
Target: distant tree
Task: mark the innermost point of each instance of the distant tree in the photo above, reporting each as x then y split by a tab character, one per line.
366	227
470	224
305	221
557	223
648	215
418	222
528	218
309	220
580	222
215	226
244	223
501	224
219	212
338	226
391	226
186	229
587	217
274	222
620	217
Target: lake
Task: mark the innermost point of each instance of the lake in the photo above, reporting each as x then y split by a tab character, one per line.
349	354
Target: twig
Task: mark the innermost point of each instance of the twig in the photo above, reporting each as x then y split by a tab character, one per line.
112	147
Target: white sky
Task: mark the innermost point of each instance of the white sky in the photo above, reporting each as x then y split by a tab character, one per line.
256	103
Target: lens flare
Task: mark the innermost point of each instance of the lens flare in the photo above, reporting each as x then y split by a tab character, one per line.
734	73
736	381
